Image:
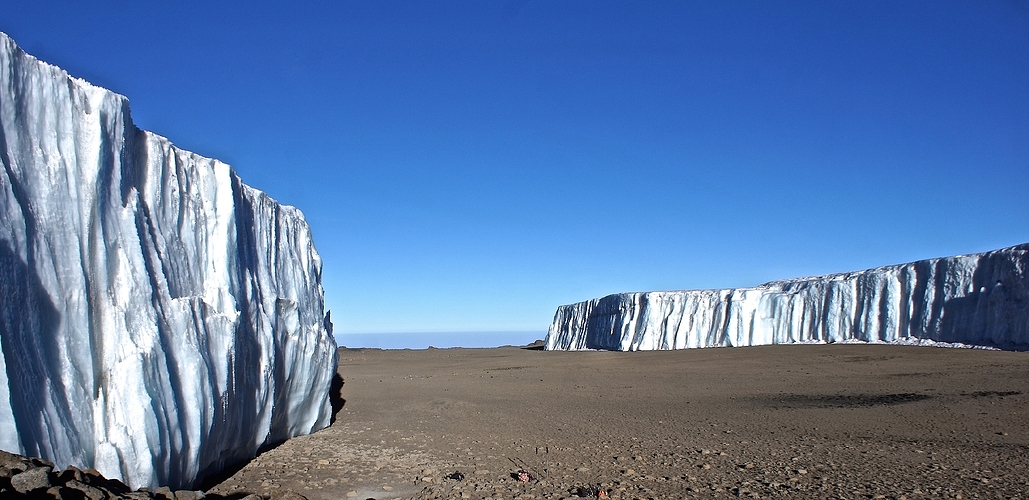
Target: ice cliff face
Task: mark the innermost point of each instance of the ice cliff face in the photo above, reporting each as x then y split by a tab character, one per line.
978	299
159	319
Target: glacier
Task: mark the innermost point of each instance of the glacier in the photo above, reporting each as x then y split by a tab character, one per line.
159	319
979	300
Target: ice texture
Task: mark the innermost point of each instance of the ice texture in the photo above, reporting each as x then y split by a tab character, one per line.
159	318
980	299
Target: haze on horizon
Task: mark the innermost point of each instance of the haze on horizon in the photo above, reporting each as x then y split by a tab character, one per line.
470	166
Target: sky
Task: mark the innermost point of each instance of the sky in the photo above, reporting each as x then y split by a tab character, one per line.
468	166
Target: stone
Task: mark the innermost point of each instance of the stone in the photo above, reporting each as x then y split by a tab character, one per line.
31	480
57	493
137	495
89	491
71	473
13	463
188	495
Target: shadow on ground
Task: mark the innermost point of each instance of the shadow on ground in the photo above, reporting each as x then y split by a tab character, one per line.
335	400
336	396
842	400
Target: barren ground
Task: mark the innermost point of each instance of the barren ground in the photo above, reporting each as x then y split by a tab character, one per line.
802	421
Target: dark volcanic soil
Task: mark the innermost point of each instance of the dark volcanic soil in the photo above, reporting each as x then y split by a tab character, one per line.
803	421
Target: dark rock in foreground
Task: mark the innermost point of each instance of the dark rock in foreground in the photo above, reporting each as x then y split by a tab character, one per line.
32	478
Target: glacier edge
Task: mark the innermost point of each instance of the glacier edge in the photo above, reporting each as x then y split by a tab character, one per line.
977	299
159	318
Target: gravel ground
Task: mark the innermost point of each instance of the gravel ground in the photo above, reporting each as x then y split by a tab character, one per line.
802	421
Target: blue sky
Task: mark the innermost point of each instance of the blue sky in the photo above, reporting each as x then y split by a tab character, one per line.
470	166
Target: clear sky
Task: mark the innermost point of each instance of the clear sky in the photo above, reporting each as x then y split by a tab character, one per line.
470	166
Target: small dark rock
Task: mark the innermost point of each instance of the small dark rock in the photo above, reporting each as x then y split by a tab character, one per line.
70	474
39	462
87	491
93	478
188	495
142	494
31	480
61	493
13	463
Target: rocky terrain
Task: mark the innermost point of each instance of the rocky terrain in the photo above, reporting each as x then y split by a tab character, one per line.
807	421
22	477
801	421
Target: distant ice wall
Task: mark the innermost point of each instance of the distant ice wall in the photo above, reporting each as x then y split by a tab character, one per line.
159	319
975	299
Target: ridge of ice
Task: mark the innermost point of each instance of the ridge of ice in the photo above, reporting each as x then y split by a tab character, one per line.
968	300
159	319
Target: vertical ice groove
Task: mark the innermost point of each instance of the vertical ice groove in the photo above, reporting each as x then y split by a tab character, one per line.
159	319
979	299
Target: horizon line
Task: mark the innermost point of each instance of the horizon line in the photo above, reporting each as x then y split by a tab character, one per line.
430	332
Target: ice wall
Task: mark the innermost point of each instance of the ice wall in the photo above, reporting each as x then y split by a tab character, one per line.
980	299
159	319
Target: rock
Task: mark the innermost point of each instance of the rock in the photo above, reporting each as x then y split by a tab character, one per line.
89	491
72	473
137	495
188	495
56	493
11	464
31	480
292	495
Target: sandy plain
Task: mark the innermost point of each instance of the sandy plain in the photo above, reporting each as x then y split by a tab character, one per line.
798	421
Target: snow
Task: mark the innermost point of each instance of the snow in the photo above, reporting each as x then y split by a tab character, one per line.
159	318
974	300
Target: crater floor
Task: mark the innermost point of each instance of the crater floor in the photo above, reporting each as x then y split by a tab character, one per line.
804	421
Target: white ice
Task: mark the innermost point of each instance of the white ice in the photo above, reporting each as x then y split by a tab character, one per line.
975	300
159	318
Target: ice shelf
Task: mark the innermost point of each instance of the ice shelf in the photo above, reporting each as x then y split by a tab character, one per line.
980	299
159	318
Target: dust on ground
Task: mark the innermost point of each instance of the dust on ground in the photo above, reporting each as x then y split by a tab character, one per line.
800	421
